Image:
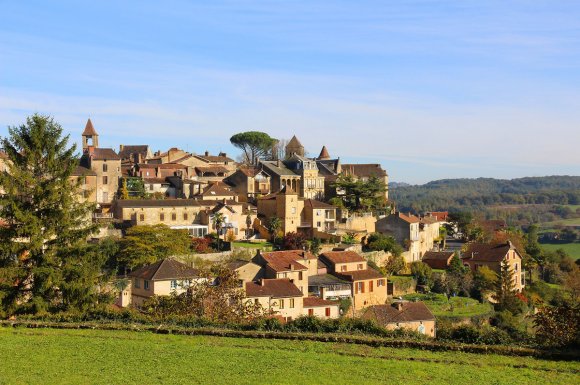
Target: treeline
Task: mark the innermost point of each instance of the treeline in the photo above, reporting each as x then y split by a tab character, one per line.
485	194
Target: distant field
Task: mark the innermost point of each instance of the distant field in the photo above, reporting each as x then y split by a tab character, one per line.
47	356
573	249
454	307
563	222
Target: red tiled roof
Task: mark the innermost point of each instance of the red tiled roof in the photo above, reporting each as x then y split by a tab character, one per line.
359	275
218	189
104	154
324	153
364	170
342	257
211	169
214	159
170	166
314	204
441	216
296	254
130	149
89	129
486	252
317	302
410	312
437	259
164	270
408	218
277	288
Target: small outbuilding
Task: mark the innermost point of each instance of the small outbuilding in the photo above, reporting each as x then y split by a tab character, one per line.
414	316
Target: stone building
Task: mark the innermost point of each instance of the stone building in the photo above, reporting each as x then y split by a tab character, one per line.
413	316
105	163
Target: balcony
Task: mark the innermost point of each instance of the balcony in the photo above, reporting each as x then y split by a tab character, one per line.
102	217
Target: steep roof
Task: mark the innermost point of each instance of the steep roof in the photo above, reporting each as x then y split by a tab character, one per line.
410	312
437	259
89	129
278	288
165	269
314	204
487	252
364	170
294	142
218	189
359	275
408	218
324	153
318	302
286	260
104	154
127	150
211	169
221	158
296	254
342	257
278	169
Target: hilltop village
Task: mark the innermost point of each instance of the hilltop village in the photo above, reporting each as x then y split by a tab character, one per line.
262	207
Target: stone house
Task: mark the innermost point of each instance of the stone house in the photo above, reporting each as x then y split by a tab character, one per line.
105	163
321	308
414	316
160	278
296	265
369	287
279	296
134	154
405	229
88	183
249	183
478	255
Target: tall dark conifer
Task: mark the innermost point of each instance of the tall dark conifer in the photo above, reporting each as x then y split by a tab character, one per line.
45	223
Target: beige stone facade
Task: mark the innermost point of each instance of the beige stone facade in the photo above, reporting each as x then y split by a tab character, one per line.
478	255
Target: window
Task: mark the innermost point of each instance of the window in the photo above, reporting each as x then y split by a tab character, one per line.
145	284
359	287
300	276
281	304
173	216
319	212
293	210
105	168
256	301
343	268
370	286
291	303
380	282
105	179
174	284
151	187
310	312
142	217
137	283
516	267
327	312
162	217
184	216
318	224
359	266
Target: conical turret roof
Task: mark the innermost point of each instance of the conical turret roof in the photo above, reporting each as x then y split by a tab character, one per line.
324	154
89	129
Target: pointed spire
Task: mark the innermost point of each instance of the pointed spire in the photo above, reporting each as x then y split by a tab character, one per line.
324	154
294	142
89	129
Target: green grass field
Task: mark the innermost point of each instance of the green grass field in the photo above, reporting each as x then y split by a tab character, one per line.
50	356
573	249
266	246
456	307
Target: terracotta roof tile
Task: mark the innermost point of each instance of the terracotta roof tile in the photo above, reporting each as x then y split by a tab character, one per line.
359	275
437	259
486	252
104	154
324	154
410	312
342	257
89	129
318	302
164	270
278	288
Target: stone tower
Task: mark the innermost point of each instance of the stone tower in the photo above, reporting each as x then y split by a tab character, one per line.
294	147
89	134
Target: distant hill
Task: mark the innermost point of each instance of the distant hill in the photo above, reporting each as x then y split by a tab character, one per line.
486	193
393	185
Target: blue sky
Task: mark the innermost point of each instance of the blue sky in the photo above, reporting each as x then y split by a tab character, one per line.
429	89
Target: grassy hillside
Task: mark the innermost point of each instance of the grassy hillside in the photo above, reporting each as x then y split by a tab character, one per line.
49	356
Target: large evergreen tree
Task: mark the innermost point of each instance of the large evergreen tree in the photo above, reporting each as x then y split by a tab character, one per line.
45	223
505	292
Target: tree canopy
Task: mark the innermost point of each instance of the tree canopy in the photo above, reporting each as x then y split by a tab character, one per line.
358	194
43	254
255	145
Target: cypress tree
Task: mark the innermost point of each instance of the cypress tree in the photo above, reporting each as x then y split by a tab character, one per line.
45	224
505	292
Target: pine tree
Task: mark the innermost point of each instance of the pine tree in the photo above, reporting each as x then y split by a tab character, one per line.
505	291
44	220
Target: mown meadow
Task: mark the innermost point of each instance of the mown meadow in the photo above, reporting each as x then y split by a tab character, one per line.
50	356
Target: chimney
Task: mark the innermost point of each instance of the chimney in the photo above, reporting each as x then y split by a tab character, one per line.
91	150
262	282
121	146
206	153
